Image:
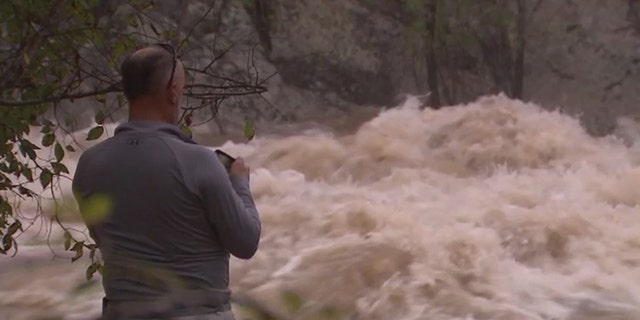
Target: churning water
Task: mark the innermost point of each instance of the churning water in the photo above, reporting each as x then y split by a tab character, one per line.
492	210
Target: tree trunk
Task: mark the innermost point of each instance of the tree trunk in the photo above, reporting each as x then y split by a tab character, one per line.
261	13
431	8
634	14
518	74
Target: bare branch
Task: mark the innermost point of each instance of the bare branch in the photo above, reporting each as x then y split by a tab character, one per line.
61	97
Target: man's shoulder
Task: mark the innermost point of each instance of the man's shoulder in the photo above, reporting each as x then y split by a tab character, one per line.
192	157
197	163
186	149
89	151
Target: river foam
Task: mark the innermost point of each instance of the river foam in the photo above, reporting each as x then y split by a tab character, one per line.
496	209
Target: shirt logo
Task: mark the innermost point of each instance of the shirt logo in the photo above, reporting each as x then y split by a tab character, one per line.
134	141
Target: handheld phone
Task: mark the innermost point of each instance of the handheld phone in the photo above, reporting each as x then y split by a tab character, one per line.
225	158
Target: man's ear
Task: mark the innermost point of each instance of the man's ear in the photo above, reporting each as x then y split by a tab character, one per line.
173	93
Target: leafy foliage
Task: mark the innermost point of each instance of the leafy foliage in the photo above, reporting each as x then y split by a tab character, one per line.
58	52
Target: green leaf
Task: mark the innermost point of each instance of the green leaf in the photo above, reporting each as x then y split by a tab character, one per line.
46	129
100	117
67	240
27	149
293	301
70	148
48	139
59	168
79	249
7	242
79	254
14	227
27	173
249	131
95	133
59	152
187	131
101	98
26	192
91	270
13	163
95	208
45	178
5	209
183	44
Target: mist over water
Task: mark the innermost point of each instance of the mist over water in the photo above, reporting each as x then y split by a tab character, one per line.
492	210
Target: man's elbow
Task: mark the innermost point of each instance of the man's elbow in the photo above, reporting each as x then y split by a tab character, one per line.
246	253
247	248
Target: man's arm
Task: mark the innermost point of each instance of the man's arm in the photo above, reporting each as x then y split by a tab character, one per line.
229	206
81	193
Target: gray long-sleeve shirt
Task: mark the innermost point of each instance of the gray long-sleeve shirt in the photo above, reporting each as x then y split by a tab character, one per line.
175	213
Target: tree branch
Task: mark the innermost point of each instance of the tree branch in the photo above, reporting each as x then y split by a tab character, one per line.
80	95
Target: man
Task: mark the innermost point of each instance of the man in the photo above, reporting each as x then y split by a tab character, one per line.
175	214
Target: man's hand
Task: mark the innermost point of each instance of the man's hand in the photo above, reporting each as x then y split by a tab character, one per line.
238	168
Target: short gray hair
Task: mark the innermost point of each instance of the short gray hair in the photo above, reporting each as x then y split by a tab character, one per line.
145	71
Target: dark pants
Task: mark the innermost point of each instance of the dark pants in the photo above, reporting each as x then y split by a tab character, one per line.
225	315
187	305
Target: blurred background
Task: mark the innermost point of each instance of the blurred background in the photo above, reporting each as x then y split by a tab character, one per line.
412	159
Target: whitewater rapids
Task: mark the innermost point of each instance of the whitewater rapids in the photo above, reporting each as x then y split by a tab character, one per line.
496	209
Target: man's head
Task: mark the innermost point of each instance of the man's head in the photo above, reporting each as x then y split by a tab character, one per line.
153	80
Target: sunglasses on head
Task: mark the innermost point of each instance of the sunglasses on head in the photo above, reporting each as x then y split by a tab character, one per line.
172	50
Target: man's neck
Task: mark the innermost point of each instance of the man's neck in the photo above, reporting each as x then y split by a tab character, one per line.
147	117
146	110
